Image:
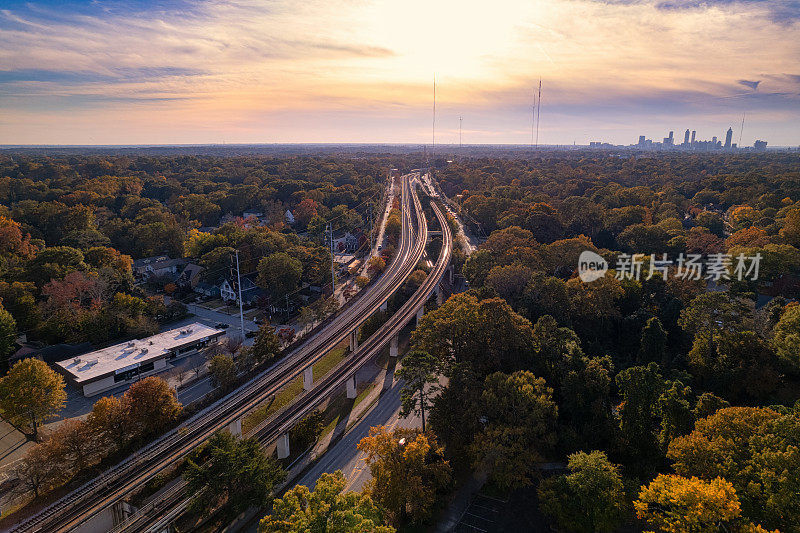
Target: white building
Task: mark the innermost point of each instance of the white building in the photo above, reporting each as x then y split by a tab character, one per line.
105	369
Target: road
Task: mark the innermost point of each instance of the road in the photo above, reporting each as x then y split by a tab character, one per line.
344	455
113	485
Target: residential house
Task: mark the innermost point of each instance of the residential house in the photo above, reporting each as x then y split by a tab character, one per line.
157	267
189	276
250	291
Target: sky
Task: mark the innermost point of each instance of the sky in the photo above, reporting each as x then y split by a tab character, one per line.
274	71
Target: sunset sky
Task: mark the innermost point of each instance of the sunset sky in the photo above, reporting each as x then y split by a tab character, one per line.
253	71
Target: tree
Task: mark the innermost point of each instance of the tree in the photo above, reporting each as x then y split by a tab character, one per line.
152	405
38	471
237	474
676	504
791	227
675	411
30	394
279	273
376	265
756	449
509	281
708	404
328	509
408	468
110	422
74	444
518	416
590	498
786	338
653	346
640	387
421	383
266	345
305	432
222	370
8	331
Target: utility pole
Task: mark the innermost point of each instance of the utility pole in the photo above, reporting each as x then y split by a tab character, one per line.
460	120
239	283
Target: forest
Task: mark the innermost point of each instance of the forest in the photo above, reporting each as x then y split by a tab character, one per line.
656	402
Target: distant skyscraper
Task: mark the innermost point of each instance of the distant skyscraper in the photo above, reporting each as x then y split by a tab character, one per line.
728	138
693	135
686	137
641	140
670	141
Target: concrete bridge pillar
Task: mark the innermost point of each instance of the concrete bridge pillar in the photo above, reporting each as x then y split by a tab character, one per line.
439	294
351	387
385	306
235	427
393	346
283	446
308	378
420	312
354	340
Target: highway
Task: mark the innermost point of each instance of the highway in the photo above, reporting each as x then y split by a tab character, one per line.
113	485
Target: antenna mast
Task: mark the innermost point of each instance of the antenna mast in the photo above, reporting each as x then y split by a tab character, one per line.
741	130
460	120
538	111
533	116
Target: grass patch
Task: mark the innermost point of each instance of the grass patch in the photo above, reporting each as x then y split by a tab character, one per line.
293	389
330	360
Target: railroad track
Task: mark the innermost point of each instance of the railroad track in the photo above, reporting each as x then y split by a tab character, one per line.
115	483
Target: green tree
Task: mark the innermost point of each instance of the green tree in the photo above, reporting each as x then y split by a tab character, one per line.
266	345
707	404
326	509
421	377
279	273
237	474
222	370
518	416
675	411
8	331
590	498
653	346
30	394
408	469
640	387
786	338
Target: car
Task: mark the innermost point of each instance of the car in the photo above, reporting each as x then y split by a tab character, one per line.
222	325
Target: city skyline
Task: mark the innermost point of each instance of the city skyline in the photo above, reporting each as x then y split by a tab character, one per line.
176	72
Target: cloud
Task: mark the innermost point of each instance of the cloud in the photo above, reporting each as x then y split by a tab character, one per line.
747	83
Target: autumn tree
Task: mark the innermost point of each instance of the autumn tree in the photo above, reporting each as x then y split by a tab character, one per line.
756	450
152	405
590	498
266	345
518	416
30	394
110	421
326	509
38	471
419	371
408	470
676	504
237	474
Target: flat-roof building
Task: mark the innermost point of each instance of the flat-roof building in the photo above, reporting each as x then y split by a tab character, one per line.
126	362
